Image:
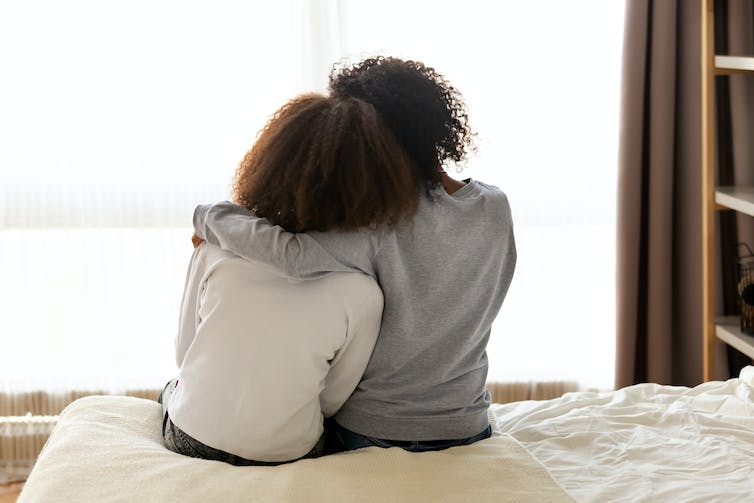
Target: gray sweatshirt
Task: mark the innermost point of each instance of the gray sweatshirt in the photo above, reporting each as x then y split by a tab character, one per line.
444	274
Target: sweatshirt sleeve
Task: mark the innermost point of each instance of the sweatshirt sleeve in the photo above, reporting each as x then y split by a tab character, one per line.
189	316
348	366
302	255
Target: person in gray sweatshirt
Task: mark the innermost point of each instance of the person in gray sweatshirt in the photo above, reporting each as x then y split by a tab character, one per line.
444	272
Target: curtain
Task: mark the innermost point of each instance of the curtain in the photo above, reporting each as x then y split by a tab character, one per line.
321	38
658	252
117	119
659	320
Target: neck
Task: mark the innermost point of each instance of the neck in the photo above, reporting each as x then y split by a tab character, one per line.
451	185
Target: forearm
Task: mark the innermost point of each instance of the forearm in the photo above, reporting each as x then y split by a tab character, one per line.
235	229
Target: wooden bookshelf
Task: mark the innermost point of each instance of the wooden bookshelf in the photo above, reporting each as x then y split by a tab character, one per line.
739	199
725	65
728	330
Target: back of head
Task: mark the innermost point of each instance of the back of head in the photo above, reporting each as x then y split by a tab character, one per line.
324	163
426	113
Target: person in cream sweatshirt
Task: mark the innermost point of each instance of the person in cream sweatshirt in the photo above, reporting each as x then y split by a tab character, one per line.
263	356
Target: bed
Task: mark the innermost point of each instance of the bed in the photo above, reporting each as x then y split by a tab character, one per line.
642	443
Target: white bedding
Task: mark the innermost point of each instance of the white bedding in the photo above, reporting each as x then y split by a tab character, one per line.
644	442
109	449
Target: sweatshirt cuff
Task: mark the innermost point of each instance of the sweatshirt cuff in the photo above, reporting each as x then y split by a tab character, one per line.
200	219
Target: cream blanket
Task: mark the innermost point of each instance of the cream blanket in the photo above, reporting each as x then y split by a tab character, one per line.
109	449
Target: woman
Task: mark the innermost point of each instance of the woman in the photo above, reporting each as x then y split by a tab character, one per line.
263	356
444	273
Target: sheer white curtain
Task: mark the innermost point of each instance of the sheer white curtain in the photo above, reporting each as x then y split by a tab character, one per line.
117	118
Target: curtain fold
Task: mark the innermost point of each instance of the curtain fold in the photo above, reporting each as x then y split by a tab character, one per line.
659	319
321	39
658	249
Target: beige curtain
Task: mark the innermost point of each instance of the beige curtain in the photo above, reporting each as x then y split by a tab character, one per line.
659	320
659	202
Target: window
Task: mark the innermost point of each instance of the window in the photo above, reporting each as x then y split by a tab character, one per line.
117	119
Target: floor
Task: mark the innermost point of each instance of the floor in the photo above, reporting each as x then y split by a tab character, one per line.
9	493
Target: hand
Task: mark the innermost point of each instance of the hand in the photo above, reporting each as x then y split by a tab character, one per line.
196	241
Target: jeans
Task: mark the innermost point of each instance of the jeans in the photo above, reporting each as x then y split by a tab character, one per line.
178	441
347	440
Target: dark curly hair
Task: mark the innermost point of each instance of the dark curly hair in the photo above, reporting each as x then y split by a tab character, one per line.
426	113
323	163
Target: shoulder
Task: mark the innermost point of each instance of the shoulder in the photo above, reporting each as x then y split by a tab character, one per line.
360	292
489	190
485	198
222	265
354	282
363	305
495	198
213	255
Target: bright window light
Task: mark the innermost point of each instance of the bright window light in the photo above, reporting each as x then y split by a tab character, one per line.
116	119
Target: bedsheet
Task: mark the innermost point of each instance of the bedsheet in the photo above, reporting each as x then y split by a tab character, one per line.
645	442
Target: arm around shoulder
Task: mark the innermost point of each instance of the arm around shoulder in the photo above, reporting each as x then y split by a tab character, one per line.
236	229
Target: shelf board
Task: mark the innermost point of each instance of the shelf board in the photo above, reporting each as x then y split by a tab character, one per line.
734	64
728	330
736	198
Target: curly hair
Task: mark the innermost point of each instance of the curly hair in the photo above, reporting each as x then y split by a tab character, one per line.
323	163
424	111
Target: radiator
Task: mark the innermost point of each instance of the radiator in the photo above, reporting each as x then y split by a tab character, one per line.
26	421
27	418
52	403
21	440
506	392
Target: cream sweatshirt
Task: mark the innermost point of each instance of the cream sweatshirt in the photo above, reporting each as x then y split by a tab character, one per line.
263	356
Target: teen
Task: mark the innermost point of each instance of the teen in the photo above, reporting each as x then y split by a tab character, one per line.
264	355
